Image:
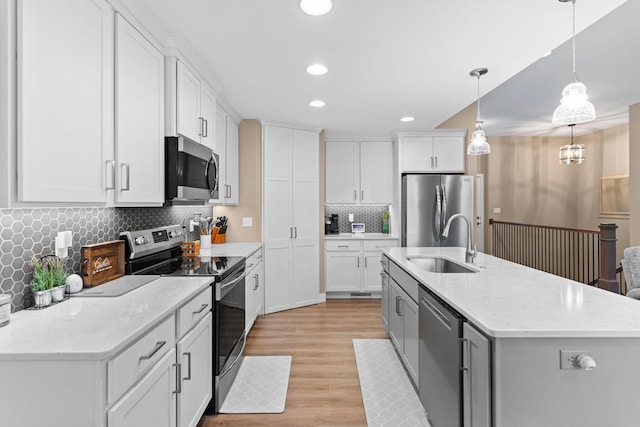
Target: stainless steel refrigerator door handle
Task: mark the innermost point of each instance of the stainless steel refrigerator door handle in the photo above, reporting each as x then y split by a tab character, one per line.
124	176
437	220
444	209
110	171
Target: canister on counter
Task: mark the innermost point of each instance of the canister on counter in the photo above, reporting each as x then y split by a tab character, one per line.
5	309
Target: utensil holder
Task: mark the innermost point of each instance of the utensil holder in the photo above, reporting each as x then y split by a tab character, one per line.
205	242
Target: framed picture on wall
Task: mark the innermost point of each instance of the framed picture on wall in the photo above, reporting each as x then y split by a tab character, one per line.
614	196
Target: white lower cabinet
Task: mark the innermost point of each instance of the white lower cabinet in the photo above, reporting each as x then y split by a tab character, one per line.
152	401
254	291
476	377
196	372
354	265
403	327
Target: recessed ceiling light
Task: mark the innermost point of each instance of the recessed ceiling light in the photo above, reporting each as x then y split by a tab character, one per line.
407	119
547	54
317	103
315	7
317	70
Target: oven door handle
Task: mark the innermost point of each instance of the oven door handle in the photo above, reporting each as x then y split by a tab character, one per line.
244	344
233	282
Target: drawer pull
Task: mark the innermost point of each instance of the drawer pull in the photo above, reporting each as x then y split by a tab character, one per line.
157	348
202	307
249	266
188	377
343	246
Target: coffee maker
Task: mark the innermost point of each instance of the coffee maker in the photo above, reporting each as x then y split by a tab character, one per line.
333	225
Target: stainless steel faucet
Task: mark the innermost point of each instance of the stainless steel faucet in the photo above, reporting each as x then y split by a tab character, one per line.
471	254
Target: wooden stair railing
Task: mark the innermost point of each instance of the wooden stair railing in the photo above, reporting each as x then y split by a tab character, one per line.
587	256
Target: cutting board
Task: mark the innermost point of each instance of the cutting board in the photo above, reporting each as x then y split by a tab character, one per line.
102	262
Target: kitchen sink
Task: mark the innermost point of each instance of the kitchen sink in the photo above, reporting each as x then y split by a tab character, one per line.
440	265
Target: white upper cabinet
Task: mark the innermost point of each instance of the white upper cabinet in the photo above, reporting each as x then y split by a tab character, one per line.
359	172
441	151
192	105
139	118
226	145
65	82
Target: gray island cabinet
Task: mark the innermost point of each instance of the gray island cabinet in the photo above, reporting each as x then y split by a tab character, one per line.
505	345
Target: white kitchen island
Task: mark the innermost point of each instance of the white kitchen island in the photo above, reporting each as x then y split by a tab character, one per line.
531	321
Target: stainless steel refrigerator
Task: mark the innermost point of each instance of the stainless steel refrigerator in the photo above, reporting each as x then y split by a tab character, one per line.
428	201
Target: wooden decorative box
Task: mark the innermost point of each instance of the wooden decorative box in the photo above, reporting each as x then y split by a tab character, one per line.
101	262
190	248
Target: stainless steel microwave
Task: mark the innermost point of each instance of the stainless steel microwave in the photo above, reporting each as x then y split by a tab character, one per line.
192	172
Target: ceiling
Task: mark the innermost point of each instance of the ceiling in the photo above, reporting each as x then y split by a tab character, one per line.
389	59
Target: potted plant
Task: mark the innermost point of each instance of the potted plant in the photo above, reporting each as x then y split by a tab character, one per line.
385	222
48	280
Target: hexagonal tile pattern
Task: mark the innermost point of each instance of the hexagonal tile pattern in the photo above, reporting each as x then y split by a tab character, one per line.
29	232
371	216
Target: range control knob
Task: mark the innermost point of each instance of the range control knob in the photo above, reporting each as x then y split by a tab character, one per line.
175	233
141	240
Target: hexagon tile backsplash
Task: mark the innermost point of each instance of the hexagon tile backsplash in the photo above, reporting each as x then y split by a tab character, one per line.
25	233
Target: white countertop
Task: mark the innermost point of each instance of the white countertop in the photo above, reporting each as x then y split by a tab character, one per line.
244	249
349	236
94	328
505	299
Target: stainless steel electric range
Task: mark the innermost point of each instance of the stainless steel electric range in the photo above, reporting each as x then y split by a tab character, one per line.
157	251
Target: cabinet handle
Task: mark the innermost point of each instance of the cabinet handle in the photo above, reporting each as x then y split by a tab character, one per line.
202	307
295	235
205	132
365	262
109	172
436	162
259	256
228	191
431	162
249	266
188	377
158	346
398	299
383	274
291	232
124	176
355	195
361	195
465	353
256	281
201	123
358	259
344	246
178	389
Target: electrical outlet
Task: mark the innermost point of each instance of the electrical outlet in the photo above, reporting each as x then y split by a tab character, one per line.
350	217
497	210
568	358
247	221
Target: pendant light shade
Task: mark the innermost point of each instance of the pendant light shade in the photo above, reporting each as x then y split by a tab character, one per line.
572	153
574	106
478	144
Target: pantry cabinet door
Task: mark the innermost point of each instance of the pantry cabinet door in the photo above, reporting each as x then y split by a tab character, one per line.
139	118
65	100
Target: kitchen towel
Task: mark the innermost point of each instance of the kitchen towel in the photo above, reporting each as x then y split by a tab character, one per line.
389	398
260	386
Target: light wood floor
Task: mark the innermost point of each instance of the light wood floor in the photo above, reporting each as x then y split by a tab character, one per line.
324	389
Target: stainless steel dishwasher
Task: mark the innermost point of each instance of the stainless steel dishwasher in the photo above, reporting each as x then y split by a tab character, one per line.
440	361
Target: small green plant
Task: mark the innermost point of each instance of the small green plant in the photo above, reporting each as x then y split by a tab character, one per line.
48	272
386	215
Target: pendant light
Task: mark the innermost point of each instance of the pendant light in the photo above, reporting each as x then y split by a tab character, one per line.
478	144
572	154
316	7
574	107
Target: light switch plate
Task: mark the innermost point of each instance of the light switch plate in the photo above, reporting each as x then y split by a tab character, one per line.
497	210
247	221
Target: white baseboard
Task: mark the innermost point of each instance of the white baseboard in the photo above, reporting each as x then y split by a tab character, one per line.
322	298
